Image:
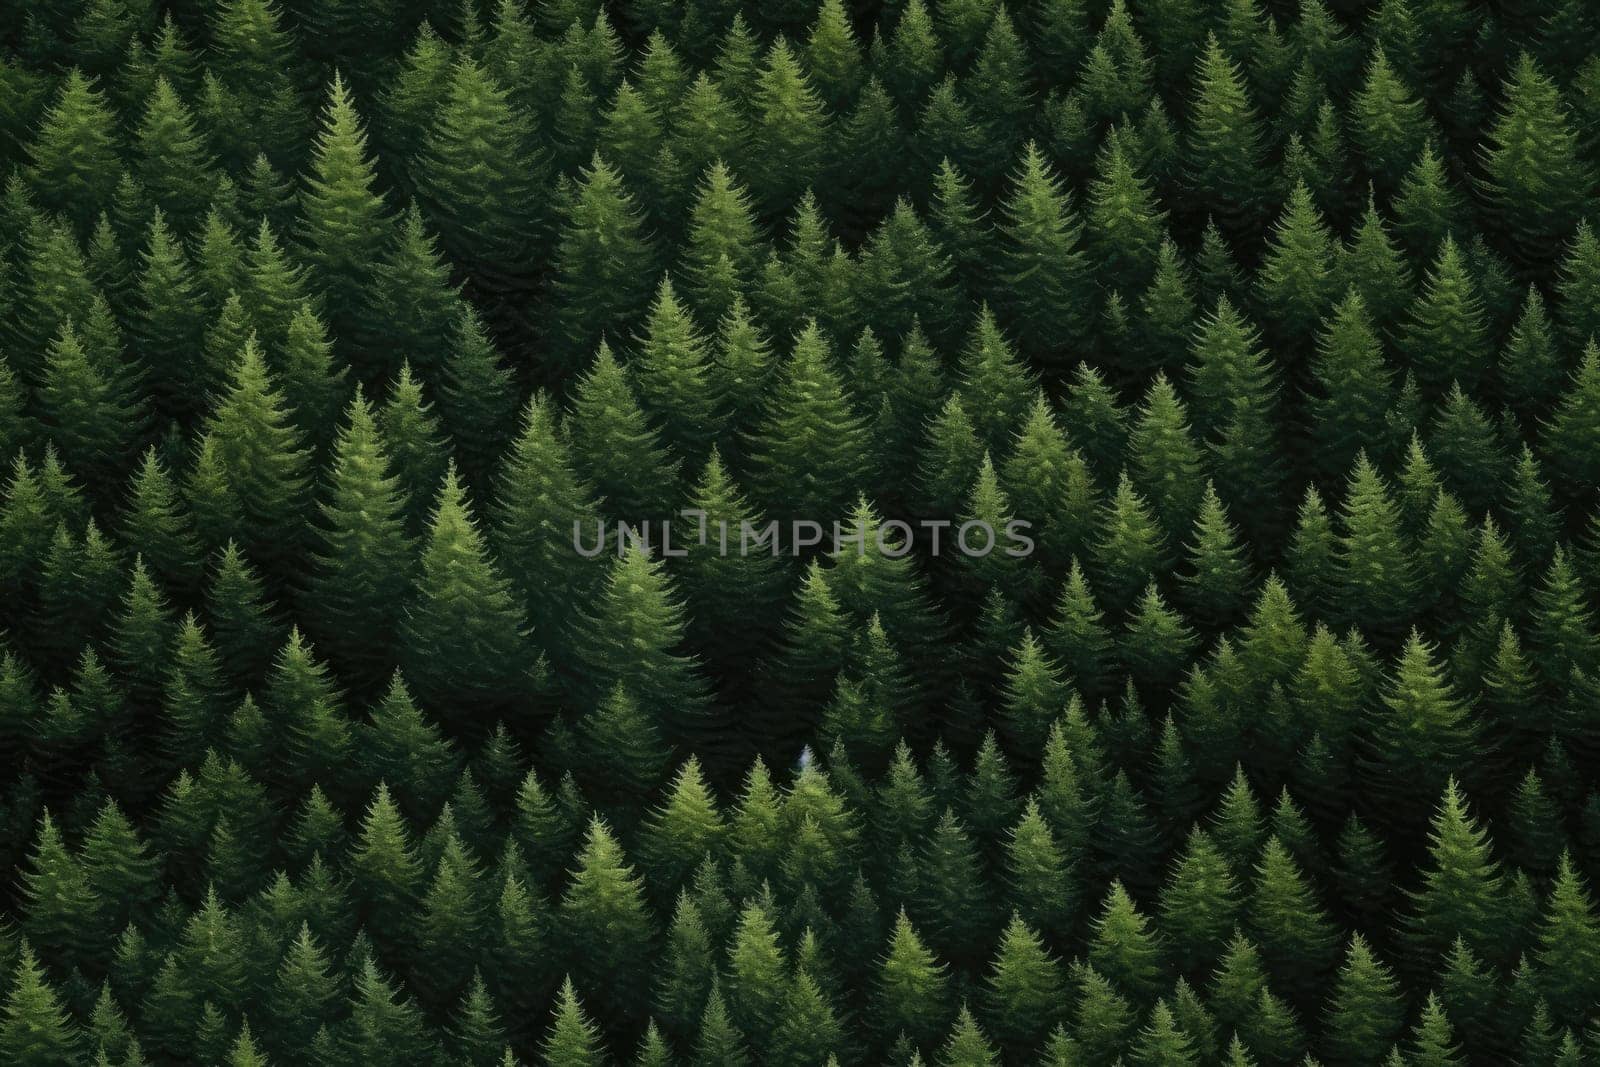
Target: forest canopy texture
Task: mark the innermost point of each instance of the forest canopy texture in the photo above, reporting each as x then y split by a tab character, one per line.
323	323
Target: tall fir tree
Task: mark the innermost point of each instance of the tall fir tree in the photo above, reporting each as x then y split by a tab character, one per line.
364	561
462	637
346	227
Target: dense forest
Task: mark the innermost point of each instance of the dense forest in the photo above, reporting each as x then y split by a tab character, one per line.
326	742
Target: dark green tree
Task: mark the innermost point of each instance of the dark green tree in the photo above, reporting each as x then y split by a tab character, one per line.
479	174
462	639
1041	264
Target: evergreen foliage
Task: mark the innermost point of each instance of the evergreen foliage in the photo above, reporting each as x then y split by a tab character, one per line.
813	532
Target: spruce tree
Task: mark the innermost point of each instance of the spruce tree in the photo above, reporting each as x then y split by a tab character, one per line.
722	245
672	371
1574	427
1445	335
787	130
1533	173
1297	279
364	562
1043	269
1167	463
73	166
808	455
479	176
476	400
173	165
1225	146
1461	895
630	637
616	448
36	1029
539	501
94	424
1390	122
260	498
912	993
167	322
345	226
462	638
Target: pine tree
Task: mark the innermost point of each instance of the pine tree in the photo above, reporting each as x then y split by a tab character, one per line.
1292	930
172	163
868	163
119	869
462	638
1123	948
672	372
1528	363
723	244
1024	988
756	972
954	907
274	286
73	167
725	581
1376	572
1574	427
1125	225
1445	336
1163	1041
421	303
35	1027
346	227
313	384
167	321
1428	208
1226	145
1566	938
1389	121
476	399
1461	892
833	56
1533	173
479	176
383	1021
1375	267
720	1042
1364	1016
616	448
1131	550
1356	386
913	989
94	424
1297	278
967	1045
1198	905
787	130
809	1029
1167	466
245	628
1433	1044
539	500
1043	269
1425	735
386	868
302	998
607	923
363	568
630	638
808	456
60	903
260	463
